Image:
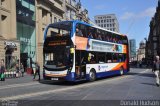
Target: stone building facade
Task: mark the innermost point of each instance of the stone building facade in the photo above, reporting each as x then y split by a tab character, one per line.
108	21
9	45
141	51
22	25
47	12
153	41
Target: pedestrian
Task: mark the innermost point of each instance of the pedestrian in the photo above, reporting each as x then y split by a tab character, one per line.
17	69
2	70
37	71
156	69
22	70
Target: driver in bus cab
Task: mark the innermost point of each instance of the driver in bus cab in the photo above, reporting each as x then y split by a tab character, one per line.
91	58
79	32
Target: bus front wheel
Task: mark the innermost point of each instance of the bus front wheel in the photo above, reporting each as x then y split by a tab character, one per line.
92	75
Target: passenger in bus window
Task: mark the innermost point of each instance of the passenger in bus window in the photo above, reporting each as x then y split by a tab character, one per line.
114	40
99	37
107	38
120	41
103	38
109	61
58	34
95	36
79	32
90	35
91	58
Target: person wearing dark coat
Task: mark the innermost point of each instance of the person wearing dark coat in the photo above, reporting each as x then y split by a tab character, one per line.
37	71
2	70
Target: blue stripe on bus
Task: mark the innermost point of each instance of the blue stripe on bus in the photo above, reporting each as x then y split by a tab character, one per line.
71	76
106	74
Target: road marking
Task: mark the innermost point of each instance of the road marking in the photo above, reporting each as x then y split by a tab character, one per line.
64	89
19	85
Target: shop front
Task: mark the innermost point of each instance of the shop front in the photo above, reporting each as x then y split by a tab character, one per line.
10	53
26	33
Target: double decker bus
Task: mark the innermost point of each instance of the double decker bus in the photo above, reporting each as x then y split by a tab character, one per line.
75	51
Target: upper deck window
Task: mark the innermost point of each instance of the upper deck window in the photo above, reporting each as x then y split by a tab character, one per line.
99	34
60	29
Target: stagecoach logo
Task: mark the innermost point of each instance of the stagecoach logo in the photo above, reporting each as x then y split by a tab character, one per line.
102	67
99	68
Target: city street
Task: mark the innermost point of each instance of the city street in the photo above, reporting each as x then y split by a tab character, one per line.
138	84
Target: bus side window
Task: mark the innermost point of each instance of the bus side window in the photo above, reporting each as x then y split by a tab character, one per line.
83	29
124	40
108	58
78	32
124	57
91	58
115	57
89	32
101	57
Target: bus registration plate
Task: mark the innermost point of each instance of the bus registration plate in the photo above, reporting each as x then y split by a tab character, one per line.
54	79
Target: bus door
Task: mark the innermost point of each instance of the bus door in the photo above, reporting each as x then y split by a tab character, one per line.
80	64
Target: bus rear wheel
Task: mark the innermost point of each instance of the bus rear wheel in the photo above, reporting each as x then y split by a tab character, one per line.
92	75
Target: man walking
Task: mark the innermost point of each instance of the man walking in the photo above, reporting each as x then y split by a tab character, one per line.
156	69
37	71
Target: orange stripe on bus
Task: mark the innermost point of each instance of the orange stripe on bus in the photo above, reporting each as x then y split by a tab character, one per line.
55	75
124	49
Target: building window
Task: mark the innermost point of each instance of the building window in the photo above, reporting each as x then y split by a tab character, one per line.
113	25
4	3
55	19
107	20
155	45
73	14
98	21
101	21
104	21
73	3
3	17
104	25
44	15
51	18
